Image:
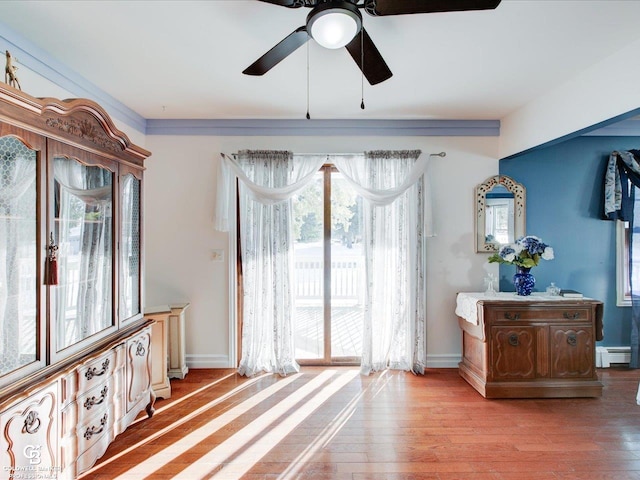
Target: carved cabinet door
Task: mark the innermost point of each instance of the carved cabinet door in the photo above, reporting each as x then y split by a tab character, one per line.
30	431
513	351
572	351
138	370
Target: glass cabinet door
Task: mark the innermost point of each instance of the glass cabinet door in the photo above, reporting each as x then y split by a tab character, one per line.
19	289
82	301
130	248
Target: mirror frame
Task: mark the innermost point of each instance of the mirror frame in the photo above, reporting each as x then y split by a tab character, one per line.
519	210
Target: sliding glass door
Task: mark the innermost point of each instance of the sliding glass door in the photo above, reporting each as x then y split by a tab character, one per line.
328	271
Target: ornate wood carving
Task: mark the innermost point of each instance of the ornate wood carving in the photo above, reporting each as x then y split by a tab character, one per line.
85	129
31	430
79	121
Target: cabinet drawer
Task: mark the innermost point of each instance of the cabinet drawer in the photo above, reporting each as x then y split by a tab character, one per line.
90	456
95	400
95	428
551	313
95	371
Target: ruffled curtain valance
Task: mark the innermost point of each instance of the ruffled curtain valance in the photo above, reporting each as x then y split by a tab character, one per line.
356	170
353	167
299	175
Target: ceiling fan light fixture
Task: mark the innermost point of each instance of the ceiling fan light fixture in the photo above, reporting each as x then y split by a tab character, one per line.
334	24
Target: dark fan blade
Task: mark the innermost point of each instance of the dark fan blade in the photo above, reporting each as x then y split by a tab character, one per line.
278	53
371	63
284	3
401	7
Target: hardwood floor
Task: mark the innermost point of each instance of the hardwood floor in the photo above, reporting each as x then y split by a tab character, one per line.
332	423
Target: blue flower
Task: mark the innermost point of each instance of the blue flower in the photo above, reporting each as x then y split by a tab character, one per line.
525	252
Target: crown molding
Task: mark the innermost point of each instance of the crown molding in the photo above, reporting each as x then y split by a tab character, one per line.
278	127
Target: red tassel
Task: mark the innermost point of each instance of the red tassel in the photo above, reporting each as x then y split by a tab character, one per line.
52	271
51	265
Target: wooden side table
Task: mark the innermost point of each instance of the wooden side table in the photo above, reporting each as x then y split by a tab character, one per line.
529	347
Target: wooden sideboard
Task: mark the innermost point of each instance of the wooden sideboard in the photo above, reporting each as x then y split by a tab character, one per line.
61	426
538	347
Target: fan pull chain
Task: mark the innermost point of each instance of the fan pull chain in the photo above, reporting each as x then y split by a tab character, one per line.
362	68
308	116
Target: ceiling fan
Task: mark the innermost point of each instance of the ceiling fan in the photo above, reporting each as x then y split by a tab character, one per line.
338	23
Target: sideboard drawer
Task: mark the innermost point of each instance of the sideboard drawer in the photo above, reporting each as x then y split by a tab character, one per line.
94	372
554	313
95	399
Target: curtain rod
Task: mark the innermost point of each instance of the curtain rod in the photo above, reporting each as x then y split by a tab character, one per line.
439	154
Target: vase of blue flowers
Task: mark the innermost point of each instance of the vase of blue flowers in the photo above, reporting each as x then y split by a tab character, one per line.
525	254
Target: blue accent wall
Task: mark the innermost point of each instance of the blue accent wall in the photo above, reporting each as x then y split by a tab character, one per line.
564	185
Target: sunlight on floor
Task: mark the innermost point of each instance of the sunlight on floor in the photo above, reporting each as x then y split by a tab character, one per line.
182	421
323	438
246	447
183	445
278	409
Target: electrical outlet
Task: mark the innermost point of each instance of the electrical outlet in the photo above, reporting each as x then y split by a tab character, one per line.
217	255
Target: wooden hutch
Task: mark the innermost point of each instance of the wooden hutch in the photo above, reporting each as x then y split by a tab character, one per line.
75	364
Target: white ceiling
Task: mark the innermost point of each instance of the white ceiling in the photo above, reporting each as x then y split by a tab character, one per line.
183	60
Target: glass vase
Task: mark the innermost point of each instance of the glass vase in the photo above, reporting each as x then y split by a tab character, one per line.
524	281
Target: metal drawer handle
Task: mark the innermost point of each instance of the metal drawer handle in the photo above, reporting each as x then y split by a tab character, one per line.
90	432
141	351
571	316
31	423
90	402
572	339
511	316
513	340
94	372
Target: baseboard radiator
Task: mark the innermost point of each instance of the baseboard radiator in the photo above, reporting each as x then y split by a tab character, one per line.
605	356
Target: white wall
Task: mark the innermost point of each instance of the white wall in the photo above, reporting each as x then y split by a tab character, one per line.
179	204
603	91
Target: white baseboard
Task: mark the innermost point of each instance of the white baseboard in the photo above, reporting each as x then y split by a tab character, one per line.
605	356
443	361
222	361
208	361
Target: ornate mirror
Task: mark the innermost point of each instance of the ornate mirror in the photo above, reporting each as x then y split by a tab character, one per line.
500	213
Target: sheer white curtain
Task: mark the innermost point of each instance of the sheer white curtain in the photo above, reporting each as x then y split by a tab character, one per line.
268	180
83	296
396	215
393	185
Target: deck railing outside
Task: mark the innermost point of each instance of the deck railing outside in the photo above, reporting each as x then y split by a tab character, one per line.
347	279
